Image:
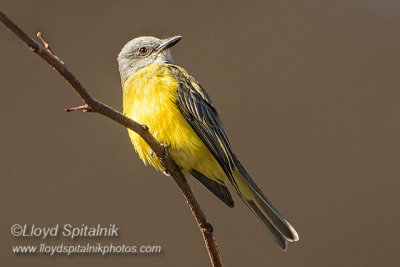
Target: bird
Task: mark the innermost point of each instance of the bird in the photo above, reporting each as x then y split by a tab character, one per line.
182	117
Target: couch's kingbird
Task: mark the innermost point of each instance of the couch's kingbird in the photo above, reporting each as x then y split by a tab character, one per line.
182	117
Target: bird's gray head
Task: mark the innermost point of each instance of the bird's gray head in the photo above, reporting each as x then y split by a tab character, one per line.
143	51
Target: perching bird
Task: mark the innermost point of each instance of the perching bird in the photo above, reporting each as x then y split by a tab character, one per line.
182	117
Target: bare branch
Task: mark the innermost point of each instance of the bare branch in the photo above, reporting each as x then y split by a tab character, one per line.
97	107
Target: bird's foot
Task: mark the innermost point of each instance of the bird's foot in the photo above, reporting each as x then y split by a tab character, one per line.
177	169
165	157
166	154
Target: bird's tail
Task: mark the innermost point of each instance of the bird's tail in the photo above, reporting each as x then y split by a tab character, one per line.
262	207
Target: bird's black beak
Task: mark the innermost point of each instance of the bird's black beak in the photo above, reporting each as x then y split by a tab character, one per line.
168	42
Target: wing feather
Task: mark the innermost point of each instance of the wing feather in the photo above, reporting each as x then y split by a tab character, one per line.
198	109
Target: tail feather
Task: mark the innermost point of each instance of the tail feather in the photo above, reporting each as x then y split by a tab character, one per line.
263	208
278	237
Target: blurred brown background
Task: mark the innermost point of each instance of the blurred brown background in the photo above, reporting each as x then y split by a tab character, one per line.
309	95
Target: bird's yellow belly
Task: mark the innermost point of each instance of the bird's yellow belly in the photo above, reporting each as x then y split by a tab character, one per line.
149	98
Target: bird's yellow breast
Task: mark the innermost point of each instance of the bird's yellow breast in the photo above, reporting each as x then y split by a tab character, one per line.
149	97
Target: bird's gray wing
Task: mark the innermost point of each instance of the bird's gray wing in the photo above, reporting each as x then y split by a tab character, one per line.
198	109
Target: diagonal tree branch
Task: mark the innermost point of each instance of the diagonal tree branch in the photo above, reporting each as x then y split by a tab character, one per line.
93	105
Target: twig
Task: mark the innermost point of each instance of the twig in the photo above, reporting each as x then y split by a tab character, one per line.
46	45
97	107
84	108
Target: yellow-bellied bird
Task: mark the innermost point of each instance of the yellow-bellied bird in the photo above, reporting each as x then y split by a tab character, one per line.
182	117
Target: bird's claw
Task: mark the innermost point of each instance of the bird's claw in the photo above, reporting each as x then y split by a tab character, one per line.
166	155
165	147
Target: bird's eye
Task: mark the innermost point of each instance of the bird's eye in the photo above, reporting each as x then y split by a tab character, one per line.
143	50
